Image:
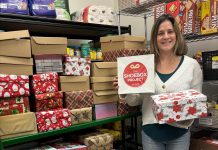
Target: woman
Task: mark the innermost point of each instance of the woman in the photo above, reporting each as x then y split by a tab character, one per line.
174	72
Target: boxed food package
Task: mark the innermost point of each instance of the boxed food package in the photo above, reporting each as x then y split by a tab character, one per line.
10	106
79	99
178	106
136	74
112	55
48	63
53	120
49	101
122	42
17	125
45	83
104	69
105	96
14	6
105	110
74	83
99	141
14	85
15	43
77	66
102	83
42	8
48	45
24	66
81	115
190	17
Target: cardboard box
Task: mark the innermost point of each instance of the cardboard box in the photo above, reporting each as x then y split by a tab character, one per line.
74	83
104	69
48	45
105	110
15	43
25	125
122	41
102	83
179	106
106	96
24	66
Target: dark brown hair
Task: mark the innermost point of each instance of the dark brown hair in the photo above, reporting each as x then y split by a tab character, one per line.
180	45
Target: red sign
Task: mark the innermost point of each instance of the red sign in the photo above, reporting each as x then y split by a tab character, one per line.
135	74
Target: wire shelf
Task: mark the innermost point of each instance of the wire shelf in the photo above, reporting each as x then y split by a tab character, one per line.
131	7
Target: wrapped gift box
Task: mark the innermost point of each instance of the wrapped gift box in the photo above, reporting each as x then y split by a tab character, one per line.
52	120
105	110
45	83
49	101
123	108
111	55
77	66
69	146
17	125
116	134
81	115
97	141
48	63
79	99
16	105
14	85
178	106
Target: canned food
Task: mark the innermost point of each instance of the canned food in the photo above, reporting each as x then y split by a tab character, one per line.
85	50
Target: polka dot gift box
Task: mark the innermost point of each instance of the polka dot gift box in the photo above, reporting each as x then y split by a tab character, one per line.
14	85
179	106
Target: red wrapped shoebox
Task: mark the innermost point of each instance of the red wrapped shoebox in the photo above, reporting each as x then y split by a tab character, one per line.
14	85
53	120
45	83
111	56
79	99
123	108
178	106
49	101
16	105
77	66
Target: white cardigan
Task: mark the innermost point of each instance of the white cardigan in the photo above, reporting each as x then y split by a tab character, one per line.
187	76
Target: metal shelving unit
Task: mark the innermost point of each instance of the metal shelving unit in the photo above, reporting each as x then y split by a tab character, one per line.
39	26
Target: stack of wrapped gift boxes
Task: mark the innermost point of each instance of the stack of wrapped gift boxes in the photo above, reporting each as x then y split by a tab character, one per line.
76	85
105	96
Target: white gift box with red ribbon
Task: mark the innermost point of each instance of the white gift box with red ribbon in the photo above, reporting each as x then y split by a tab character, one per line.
136	74
179	106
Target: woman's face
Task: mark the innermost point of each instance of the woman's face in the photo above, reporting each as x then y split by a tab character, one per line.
166	37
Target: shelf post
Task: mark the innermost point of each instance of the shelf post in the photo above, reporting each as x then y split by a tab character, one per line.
119	30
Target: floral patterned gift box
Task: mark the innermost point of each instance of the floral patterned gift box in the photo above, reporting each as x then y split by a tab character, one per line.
45	83
53	120
14	85
178	106
49	101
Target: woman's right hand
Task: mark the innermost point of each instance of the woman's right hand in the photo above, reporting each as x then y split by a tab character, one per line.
115	83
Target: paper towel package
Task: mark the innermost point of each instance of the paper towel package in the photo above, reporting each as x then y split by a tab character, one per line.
136	74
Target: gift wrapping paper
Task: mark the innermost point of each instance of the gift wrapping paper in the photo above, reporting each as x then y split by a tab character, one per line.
45	83
69	146
81	115
48	63
49	101
14	85
105	110
79	99
77	66
111	56
52	120
99	141
123	108
16	105
117	135
178	106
